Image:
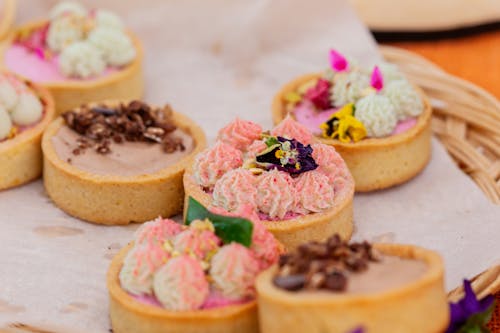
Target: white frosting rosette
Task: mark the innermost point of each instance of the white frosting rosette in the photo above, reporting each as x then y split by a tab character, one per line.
64	31
390	72
348	87
8	94
107	19
377	114
406	100
5	123
115	45
67	8
28	109
81	60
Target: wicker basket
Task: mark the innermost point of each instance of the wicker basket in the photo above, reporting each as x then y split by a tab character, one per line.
468	124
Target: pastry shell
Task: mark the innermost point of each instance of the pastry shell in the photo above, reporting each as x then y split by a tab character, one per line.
295	231
126	83
109	199
21	156
8	17
418	307
376	163
130	316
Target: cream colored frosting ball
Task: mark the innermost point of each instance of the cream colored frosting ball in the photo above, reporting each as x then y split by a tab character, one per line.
81	60
5	123
28	110
348	87
8	94
67	7
115	45
108	19
377	114
406	100
64	31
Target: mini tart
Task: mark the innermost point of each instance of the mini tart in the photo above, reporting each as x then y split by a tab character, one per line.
294	231
418	307
21	156
125	84
130	316
8	15
376	163
113	200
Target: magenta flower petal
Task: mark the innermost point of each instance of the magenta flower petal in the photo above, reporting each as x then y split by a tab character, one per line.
319	95
377	81
337	61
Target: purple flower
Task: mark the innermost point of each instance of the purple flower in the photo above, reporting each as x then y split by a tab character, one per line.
359	329
287	155
470	314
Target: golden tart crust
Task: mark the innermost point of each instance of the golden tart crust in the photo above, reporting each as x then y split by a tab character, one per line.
8	17
295	231
130	316
108	199
418	307
376	163
21	156
127	83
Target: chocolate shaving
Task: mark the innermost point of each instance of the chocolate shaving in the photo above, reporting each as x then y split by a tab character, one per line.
326	265
102	125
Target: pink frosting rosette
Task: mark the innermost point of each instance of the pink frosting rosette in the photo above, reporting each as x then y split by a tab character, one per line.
197	242
181	285
275	193
331	165
314	193
157	231
214	162
255	148
234	189
291	129
240	133
233	271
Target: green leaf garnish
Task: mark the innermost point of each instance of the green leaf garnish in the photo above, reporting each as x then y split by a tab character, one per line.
228	229
271	141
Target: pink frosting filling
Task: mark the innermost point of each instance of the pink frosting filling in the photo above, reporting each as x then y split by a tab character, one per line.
306	114
214	300
22	61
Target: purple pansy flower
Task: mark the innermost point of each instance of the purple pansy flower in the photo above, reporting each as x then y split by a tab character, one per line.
287	155
359	329
470	314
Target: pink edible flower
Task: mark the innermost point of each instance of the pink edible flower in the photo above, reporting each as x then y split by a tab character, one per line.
319	95
377	81
337	61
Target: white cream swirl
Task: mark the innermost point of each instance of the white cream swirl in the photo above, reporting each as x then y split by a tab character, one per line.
377	114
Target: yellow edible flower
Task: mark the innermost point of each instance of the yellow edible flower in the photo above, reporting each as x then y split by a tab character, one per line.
342	125
292	97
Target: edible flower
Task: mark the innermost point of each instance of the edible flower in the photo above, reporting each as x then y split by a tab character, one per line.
470	315
359	329
342	125
338	62
287	155
376	80
319	95
34	39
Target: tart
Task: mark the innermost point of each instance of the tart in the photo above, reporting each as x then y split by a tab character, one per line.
301	189
26	109
196	278
340	288
116	163
379	124
79	55
7	16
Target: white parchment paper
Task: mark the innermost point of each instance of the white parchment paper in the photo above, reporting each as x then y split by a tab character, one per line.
214	60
